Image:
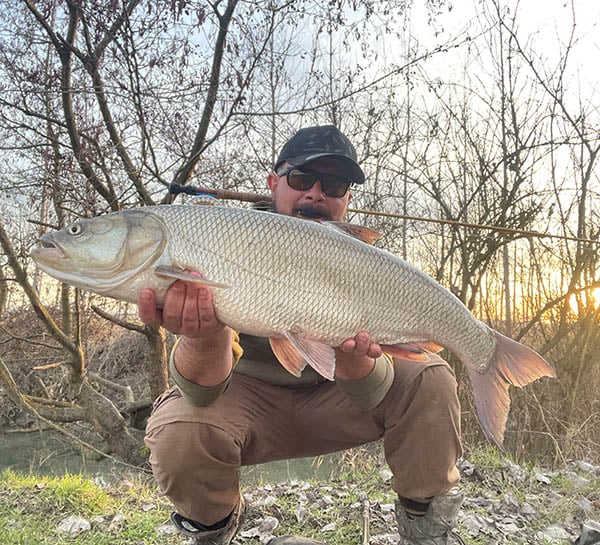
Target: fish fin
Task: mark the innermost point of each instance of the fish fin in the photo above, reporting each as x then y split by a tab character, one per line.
366	234
513	364
405	352
287	355
428	346
416	351
320	356
169	271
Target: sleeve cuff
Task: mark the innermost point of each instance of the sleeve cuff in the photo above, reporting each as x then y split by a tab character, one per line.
195	394
368	392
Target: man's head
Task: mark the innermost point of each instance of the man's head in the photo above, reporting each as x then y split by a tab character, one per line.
313	174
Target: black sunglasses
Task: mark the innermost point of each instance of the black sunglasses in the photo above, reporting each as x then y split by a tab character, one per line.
303	180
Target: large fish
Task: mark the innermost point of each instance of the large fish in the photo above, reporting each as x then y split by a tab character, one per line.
305	285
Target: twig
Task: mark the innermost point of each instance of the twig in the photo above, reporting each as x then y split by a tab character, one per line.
28	340
124	324
125	390
365	518
49	366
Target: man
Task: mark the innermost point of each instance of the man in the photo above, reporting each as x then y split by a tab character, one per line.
235	405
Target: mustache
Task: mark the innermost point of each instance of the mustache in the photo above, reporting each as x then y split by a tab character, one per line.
312	211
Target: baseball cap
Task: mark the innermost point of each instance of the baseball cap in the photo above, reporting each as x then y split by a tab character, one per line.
311	143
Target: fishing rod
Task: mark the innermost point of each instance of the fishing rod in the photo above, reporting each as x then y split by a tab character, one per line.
229	194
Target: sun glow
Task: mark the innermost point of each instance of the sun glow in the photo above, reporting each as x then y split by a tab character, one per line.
581	299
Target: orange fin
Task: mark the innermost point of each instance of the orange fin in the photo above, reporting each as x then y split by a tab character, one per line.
288	356
366	234
514	364
411	351
428	346
170	271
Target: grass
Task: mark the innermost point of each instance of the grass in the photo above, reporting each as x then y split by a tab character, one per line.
32	508
129	511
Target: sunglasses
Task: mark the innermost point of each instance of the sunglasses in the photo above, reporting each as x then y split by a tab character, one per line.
303	180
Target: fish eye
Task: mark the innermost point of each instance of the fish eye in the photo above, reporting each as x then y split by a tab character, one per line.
74	229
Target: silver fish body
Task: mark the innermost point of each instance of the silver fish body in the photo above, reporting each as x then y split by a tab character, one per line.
286	278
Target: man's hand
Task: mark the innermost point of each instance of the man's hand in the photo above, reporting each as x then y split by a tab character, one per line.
361	345
204	353
187	310
355	357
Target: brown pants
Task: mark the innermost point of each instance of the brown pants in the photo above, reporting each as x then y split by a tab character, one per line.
196	452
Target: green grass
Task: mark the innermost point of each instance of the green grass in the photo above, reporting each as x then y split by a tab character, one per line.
32	507
130	511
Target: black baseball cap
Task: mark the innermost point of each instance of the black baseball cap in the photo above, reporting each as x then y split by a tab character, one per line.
312	143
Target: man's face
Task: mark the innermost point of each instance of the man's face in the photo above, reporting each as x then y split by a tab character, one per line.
312	203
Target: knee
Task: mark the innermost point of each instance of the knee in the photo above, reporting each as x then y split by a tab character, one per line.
438	384
176	446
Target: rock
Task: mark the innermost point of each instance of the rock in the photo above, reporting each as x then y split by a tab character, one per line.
116	522
585	505
385	539
300	512
74	526
516	471
267	501
385	474
554	534
167	529
541	478
587	468
476	524
528	510
263	529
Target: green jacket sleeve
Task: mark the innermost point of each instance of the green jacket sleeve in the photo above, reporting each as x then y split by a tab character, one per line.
368	392
195	394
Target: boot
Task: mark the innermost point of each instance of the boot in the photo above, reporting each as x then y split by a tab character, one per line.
220	536
590	534
435	527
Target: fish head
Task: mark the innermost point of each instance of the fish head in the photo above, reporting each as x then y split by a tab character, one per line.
102	253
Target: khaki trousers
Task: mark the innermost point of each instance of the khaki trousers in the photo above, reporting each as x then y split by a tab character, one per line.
196	452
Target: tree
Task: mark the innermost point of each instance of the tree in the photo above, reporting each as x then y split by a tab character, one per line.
108	103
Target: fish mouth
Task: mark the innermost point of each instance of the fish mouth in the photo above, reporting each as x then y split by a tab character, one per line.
48	249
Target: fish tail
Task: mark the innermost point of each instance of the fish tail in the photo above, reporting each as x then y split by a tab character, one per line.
513	364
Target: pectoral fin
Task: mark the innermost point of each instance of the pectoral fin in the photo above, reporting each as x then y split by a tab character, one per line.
320	356
170	271
288	356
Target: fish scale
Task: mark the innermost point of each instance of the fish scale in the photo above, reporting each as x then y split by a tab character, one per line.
304	284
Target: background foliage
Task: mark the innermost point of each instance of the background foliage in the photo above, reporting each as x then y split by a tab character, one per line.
103	104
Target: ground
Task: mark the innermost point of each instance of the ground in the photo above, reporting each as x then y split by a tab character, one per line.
505	503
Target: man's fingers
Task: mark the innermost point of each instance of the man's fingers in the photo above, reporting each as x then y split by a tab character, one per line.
363	341
361	345
147	310
374	351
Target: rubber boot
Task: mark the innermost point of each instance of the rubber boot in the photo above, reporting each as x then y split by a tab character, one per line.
435	527
590	534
